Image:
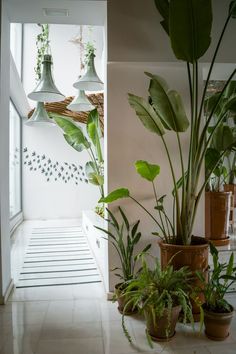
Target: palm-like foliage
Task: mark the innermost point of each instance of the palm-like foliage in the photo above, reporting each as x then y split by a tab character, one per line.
124	238
220	280
154	291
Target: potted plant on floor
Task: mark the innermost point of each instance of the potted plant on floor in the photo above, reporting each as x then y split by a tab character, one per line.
218	313
217	201
160	294
124	238
188	25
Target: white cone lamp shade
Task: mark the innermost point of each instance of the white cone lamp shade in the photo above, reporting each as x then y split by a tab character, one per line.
46	90
40	116
90	80
80	103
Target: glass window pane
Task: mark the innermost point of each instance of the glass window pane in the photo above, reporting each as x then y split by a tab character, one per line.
15	162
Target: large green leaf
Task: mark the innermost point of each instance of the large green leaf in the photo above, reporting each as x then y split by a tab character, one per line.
168	105
163	8
73	142
212	157
115	195
147	170
223	138
232	8
230	105
74	134
231	89
146	114
94	132
211	102
92	174
190	23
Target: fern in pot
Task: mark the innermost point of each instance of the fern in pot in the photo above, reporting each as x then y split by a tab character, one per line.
160	294
218	312
188	25
124	238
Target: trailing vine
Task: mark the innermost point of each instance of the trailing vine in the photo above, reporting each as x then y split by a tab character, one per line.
42	44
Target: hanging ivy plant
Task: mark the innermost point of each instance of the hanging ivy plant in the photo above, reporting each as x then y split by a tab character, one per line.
89	51
42	44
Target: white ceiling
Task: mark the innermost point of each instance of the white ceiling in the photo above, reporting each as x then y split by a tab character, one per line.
85	12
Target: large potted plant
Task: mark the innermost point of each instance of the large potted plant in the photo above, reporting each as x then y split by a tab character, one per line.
218	313
124	238
188	24
160	295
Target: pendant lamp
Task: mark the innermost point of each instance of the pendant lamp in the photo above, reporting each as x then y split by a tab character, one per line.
80	103
90	80
40	116
46	91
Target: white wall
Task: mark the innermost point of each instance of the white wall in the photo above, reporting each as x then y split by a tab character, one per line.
5	266
44	199
56	199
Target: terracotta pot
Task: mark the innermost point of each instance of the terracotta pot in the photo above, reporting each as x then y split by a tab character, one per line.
217	325
231	188
160	328
194	256
217	212
122	301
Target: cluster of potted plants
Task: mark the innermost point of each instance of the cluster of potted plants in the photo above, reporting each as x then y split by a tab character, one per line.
188	24
165	295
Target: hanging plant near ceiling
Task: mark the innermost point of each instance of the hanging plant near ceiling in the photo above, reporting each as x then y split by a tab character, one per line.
42	44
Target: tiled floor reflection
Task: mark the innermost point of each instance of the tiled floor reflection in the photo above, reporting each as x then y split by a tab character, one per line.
78	320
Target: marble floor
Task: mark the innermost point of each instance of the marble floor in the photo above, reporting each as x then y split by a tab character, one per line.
77	319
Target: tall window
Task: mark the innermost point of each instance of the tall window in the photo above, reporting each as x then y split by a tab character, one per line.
15	162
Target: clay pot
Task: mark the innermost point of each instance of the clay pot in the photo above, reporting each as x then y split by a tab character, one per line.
194	256
160	328
217	212
231	188
122	301
217	325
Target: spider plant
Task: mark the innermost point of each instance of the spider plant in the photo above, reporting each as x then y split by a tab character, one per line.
156	293
188	24
124	238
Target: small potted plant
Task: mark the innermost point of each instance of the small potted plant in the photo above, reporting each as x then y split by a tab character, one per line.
160	294
218	201
218	313
124	238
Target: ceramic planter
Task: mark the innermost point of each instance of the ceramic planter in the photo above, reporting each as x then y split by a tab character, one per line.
162	328
122	300
194	256
217	213
217	325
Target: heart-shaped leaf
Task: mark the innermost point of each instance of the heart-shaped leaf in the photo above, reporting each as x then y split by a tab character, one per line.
115	195
147	170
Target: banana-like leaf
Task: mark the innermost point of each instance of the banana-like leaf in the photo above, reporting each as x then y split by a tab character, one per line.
212	157
73	142
211	101
232	8
93	176
163	8
115	195
223	138
168	105
74	133
190	23
231	89
230	105
94	132
93	117
146	114
147	170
